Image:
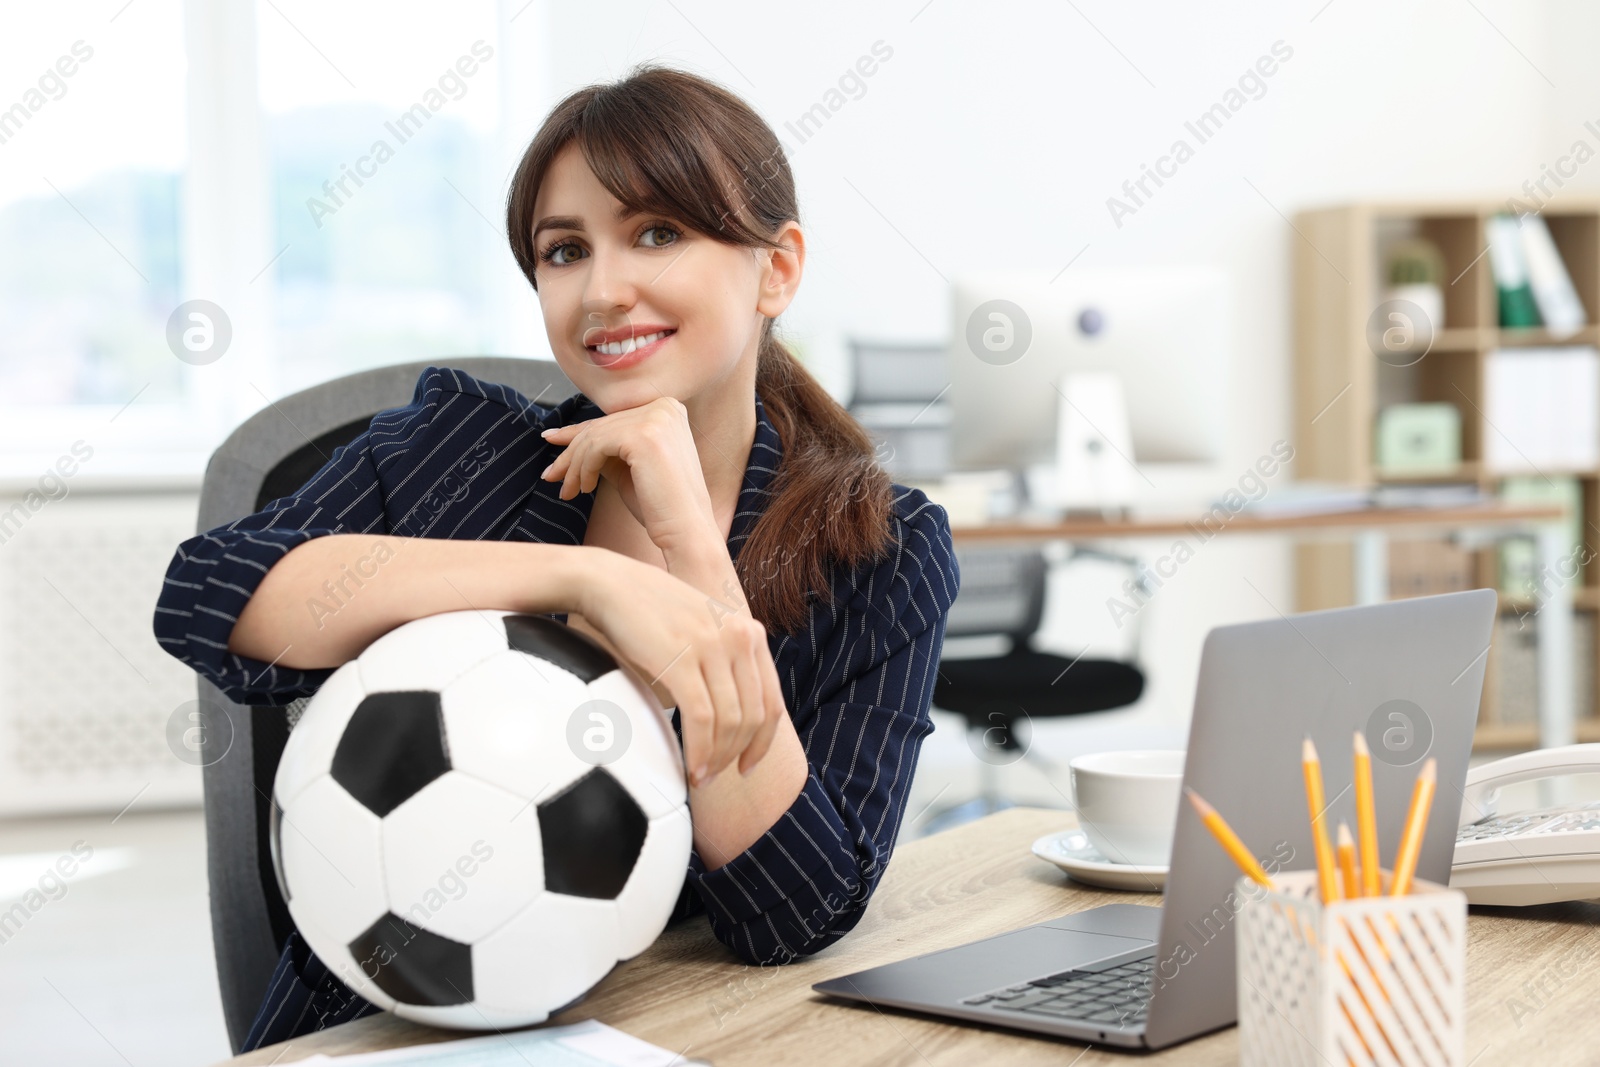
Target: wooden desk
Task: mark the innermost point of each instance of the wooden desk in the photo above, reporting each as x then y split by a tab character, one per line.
1529	993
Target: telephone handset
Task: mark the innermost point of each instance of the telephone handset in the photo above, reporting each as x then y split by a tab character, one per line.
1528	857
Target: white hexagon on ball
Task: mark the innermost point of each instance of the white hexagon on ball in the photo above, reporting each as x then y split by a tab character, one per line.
308	754
493	736
331	857
455	640
555	927
466	875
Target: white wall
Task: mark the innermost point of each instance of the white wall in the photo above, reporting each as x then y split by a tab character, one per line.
996	132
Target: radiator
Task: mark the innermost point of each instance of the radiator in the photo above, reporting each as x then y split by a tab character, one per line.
94	716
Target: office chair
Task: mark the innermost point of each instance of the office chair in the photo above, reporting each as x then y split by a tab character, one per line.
897	396
273	453
1003	593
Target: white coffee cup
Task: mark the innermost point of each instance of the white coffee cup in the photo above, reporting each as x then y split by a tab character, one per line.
1127	803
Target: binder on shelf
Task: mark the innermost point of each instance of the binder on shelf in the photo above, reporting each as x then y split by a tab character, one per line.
1517	307
1519	557
1558	301
1542	409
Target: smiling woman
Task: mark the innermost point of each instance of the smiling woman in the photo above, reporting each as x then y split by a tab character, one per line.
692	197
701	507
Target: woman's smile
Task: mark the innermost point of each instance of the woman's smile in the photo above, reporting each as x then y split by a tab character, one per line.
630	347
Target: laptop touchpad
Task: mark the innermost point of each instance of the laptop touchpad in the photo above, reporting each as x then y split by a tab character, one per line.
1007	959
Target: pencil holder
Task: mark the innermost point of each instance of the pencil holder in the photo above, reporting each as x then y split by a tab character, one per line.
1371	980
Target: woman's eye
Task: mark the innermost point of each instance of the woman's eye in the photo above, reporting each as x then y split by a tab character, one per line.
659	236
559	254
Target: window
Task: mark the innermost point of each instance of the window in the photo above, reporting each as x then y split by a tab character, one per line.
381	125
92	152
332	176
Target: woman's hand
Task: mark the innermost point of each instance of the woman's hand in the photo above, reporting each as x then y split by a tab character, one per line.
649	453
714	661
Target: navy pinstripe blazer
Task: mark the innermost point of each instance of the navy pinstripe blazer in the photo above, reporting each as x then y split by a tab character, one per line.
461	461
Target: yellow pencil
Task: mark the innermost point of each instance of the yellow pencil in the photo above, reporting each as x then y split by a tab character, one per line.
1327	880
1367	822
1405	860
1347	863
1229	840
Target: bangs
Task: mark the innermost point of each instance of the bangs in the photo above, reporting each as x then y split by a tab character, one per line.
655	165
669	144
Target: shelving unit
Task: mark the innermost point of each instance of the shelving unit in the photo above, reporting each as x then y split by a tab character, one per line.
1341	385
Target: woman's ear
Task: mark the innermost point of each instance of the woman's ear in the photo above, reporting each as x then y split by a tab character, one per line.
780	270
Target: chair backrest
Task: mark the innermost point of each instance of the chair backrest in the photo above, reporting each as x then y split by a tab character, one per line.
898	398
889	373
274	452
1002	591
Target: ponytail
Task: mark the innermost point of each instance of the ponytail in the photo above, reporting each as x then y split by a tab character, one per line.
830	501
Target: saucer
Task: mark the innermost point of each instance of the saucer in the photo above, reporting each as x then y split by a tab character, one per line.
1071	851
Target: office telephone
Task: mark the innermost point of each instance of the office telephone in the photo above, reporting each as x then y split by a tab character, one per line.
1528	857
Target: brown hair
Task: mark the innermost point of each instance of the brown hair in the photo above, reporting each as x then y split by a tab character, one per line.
666	142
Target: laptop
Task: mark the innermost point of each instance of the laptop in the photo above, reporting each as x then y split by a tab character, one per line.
1408	674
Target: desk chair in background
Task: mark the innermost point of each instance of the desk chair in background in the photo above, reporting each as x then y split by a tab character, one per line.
900	395
270	455
1003	593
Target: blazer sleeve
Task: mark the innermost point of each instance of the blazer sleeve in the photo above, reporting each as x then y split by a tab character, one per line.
805	883
213	575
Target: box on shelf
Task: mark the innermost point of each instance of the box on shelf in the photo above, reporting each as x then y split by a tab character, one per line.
1415	439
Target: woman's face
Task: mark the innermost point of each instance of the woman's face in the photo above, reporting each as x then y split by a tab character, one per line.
640	307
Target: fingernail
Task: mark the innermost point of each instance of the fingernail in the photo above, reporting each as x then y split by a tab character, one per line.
547	433
700	775
546	472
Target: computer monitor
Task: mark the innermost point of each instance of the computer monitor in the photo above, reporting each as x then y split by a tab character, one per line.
1163	330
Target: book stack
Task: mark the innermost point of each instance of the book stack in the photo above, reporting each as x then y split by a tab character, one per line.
1429	566
1516	674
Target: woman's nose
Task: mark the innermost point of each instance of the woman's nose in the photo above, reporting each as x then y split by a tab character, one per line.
609	282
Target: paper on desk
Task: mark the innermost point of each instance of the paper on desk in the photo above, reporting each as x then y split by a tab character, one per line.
585	1044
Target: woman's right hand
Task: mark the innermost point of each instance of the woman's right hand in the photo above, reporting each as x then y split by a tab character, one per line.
713	661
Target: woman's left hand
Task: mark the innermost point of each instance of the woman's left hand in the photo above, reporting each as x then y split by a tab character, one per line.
649	454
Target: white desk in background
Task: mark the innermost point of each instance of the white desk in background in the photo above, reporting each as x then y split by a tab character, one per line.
1369	529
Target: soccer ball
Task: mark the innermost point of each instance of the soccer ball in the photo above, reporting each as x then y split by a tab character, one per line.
478	817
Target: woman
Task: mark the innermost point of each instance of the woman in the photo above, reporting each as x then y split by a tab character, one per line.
705	510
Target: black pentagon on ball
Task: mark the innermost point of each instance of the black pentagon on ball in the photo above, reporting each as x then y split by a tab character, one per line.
275	842
413	965
393	745
592	832
572	651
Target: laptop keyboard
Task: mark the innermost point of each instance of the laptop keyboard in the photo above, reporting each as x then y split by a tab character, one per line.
1116	996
